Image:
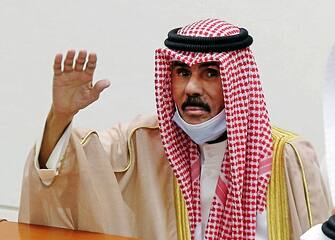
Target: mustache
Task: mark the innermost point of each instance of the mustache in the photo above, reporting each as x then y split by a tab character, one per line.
195	101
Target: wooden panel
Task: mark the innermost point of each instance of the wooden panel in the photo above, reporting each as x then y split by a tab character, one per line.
19	231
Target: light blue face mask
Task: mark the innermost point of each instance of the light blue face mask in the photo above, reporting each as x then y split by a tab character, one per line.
203	132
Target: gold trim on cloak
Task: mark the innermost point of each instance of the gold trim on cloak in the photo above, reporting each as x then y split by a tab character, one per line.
183	227
84	140
130	144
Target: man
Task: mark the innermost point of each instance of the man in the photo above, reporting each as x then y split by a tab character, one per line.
208	167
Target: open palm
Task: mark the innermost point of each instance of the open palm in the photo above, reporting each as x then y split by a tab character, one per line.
72	83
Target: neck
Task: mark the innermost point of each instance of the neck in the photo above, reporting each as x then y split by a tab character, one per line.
222	138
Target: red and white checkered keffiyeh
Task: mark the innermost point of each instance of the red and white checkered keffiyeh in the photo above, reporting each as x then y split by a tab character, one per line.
245	172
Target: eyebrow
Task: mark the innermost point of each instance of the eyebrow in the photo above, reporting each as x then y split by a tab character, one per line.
207	64
178	64
202	65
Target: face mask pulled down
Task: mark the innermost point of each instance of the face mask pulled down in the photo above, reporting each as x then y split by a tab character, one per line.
203	132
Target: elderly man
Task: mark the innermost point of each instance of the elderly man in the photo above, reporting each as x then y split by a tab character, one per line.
207	167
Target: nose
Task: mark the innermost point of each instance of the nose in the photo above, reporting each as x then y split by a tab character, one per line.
194	86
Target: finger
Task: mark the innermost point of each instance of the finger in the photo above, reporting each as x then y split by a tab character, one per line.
91	63
58	64
80	61
99	87
68	62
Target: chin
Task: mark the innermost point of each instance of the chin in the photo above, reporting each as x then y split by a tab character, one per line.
195	119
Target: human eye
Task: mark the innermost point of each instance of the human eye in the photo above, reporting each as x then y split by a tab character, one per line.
212	72
183	72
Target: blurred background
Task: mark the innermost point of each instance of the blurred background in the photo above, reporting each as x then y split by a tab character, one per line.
292	44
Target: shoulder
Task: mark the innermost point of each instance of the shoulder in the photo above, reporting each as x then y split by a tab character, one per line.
119	130
298	155
304	179
144	121
293	146
145	127
290	141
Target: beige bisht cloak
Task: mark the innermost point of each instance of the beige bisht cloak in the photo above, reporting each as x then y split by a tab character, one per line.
119	182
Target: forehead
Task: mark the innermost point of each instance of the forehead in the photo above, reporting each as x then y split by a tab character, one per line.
200	65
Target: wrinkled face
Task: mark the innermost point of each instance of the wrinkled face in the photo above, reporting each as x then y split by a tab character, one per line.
197	90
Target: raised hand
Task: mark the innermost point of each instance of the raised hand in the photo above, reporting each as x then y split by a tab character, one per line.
72	90
72	83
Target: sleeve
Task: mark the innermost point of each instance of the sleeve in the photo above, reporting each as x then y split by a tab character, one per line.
85	193
308	196
54	162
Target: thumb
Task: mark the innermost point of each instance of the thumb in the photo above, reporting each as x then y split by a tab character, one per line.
100	85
